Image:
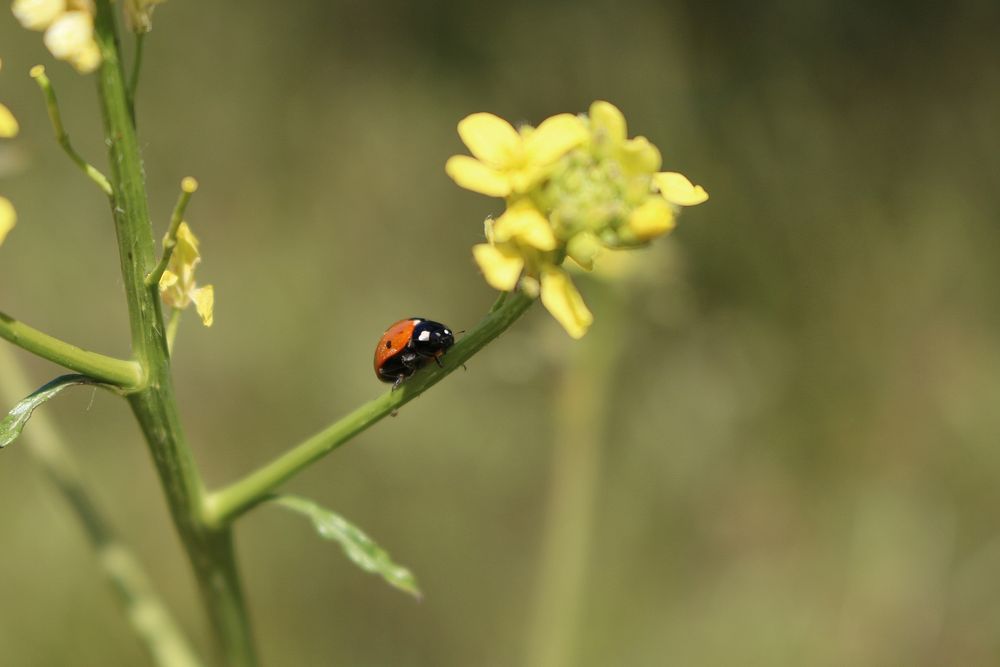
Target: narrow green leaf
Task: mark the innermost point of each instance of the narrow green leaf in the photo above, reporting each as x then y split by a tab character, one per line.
14	422
360	548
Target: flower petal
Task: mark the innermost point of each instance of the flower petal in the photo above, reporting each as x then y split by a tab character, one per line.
639	156
560	298
37	14
8	124
490	138
555	137
607	123
677	189
523	223
652	218
500	266
204	303
8	217
472	174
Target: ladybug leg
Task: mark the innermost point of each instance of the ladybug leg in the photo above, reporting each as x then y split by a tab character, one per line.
399	381
437	360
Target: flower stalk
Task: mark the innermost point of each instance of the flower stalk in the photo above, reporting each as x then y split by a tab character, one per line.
154	406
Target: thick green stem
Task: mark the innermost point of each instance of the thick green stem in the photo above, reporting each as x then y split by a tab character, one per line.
225	505
125	374
155	408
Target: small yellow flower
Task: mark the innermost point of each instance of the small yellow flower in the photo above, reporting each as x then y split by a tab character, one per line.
178	288
8	129
8	124
8	217
563	301
71	38
576	188
38	14
68	26
507	161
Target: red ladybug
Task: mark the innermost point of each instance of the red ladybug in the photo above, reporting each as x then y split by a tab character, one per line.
409	344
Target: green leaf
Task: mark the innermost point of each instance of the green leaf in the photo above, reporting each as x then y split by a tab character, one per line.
360	548
14	422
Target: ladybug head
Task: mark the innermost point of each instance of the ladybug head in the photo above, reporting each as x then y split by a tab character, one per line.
431	339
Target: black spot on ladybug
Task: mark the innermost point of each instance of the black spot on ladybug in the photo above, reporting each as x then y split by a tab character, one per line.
388	344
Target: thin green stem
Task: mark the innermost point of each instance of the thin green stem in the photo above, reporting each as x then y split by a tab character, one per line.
188	188
125	374
94	174
223	506
155	407
149	616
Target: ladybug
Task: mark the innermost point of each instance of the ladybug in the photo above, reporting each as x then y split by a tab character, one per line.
409	344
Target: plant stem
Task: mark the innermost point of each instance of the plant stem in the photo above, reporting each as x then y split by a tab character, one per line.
583	401
150	618
223	506
119	372
155	408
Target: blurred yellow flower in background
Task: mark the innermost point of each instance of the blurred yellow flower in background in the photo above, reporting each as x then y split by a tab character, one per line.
68	26
8	129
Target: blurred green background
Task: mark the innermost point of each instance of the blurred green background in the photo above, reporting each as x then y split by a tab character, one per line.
787	424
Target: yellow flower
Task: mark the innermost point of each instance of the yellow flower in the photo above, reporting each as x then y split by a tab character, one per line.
8	129
8	124
68	26
177	284
38	14
560	298
71	38
519	233
576	187
8	217
507	161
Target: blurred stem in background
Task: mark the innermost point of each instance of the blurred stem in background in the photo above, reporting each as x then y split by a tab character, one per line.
149	617
583	400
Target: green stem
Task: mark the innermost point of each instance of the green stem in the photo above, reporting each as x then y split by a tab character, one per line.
583	401
52	105
155	408
125	374
149	616
223	506
188	187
